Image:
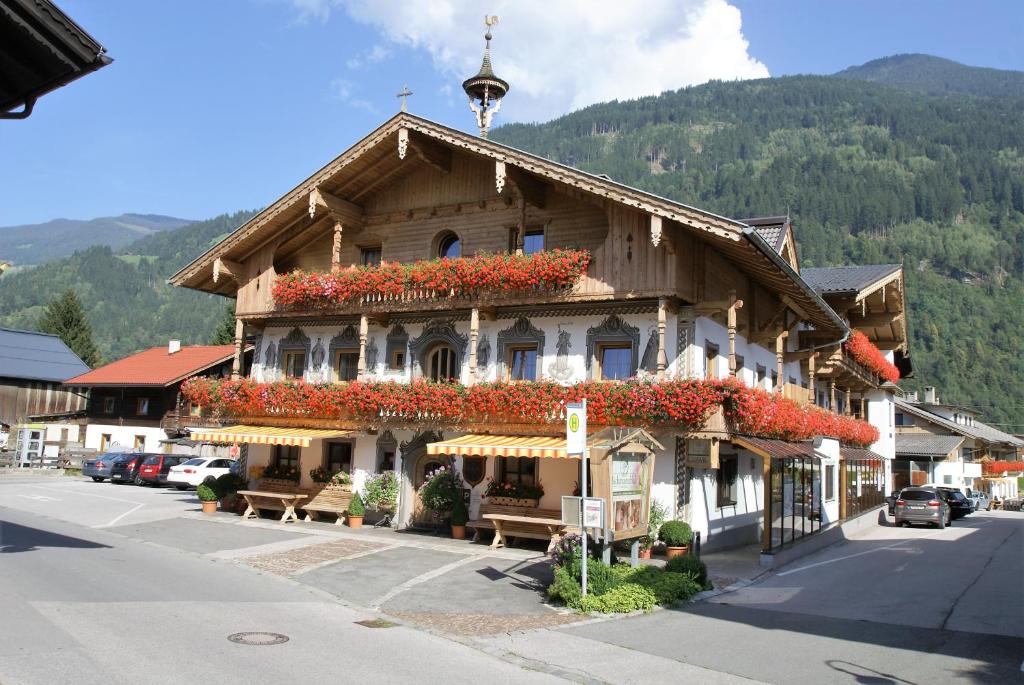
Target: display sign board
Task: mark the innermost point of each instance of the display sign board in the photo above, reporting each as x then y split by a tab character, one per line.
593	512
571	510
628	484
576	428
702	454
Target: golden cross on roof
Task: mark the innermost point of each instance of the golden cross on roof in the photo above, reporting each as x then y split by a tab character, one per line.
404	95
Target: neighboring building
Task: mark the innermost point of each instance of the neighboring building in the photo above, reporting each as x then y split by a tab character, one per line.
671	292
135	402
41	49
944	443
33	368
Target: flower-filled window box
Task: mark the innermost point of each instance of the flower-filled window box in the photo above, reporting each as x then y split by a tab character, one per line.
866	354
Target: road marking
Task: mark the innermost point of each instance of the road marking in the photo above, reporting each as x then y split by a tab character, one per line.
422	578
40	498
85	494
860	554
118	518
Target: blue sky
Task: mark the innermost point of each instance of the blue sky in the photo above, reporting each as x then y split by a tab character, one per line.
210	107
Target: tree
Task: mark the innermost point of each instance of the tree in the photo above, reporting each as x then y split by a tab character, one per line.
224	334
65	317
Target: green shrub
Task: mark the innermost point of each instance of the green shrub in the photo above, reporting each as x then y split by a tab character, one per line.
669	588
441	489
206	494
381	490
459	513
675	533
565	588
356	506
620	599
689	564
227	484
619	588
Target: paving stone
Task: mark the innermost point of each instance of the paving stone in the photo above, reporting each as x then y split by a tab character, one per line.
488	624
296	561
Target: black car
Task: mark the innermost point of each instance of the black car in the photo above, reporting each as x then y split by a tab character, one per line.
126	468
959	505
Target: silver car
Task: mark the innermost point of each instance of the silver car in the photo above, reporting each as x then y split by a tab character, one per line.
922	505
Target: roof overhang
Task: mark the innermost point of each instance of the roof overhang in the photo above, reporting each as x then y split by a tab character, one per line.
41	49
264	435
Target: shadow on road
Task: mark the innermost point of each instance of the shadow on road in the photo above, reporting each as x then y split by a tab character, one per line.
17	538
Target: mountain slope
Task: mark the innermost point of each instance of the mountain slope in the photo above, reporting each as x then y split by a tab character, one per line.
938	76
870	174
130	306
38	243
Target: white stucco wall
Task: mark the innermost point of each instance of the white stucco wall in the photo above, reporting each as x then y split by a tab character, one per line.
124	436
828	450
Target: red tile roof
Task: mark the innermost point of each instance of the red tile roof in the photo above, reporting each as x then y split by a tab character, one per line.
156	367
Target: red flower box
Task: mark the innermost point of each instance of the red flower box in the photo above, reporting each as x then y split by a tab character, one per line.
865	353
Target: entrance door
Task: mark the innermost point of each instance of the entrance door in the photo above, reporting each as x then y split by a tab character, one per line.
416	463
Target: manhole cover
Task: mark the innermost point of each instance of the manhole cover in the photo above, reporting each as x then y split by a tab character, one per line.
258	639
376	623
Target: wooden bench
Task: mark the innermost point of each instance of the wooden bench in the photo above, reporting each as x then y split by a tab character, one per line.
277	495
332	499
518	522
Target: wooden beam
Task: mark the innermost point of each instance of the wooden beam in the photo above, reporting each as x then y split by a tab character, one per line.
341	209
530	187
379	180
432	153
876	320
226	267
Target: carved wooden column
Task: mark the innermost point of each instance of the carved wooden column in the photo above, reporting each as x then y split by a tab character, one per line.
812	363
474	333
849	403
336	249
832	395
364	328
662	354
734	305
780	360
521	227
236	363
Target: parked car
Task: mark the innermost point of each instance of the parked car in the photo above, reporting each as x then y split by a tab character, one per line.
98	467
156	467
922	505
981	500
958	503
197	470
126	468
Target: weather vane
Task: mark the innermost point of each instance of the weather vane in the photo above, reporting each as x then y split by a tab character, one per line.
485	90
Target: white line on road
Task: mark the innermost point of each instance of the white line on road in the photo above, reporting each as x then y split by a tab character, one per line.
40	498
858	554
118	518
85	494
422	578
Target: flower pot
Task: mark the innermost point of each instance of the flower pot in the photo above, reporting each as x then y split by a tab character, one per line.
675	551
513	502
210	507
645	553
355	521
458	532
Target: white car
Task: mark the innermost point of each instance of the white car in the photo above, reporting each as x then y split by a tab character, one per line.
195	471
980	499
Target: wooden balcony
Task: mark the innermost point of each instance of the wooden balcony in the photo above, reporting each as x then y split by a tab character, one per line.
176	422
796	393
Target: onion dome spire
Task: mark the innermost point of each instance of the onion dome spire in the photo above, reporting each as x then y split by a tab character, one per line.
485	90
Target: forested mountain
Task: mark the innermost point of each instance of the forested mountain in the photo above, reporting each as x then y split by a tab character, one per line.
38	243
937	76
870	174
130	305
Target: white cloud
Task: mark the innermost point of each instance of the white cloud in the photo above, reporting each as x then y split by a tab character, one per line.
341	89
560	56
376	54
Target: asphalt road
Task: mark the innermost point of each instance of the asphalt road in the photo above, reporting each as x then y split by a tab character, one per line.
87	606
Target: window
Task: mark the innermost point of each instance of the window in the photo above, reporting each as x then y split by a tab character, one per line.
728	467
533	241
710	360
142	406
387	461
522	363
104	441
338	457
517	470
614	361
450	246
370	256
966	453
740	365
762	374
830	482
64	434
397	359
442	364
108	405
775	379
286	456
195	409
947	480
346	365
294	363
139	442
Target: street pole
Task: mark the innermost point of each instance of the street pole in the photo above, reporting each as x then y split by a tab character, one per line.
583	492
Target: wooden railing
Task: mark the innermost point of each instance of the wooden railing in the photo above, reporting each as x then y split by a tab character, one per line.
796	393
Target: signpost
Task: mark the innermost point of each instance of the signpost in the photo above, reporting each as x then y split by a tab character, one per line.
576	443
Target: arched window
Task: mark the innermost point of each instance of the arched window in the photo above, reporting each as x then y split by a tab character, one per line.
442	364
449	246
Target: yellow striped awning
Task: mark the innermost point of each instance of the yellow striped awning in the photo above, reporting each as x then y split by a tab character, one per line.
265	435
473	445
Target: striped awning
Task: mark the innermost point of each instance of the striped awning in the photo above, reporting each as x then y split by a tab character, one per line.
265	435
502	446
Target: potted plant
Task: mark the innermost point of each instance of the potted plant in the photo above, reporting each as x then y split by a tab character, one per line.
356	511
441	490
459	518
677	537
381	492
514	494
208	497
226	486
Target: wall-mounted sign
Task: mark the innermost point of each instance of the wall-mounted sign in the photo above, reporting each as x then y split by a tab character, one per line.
702	453
576	428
